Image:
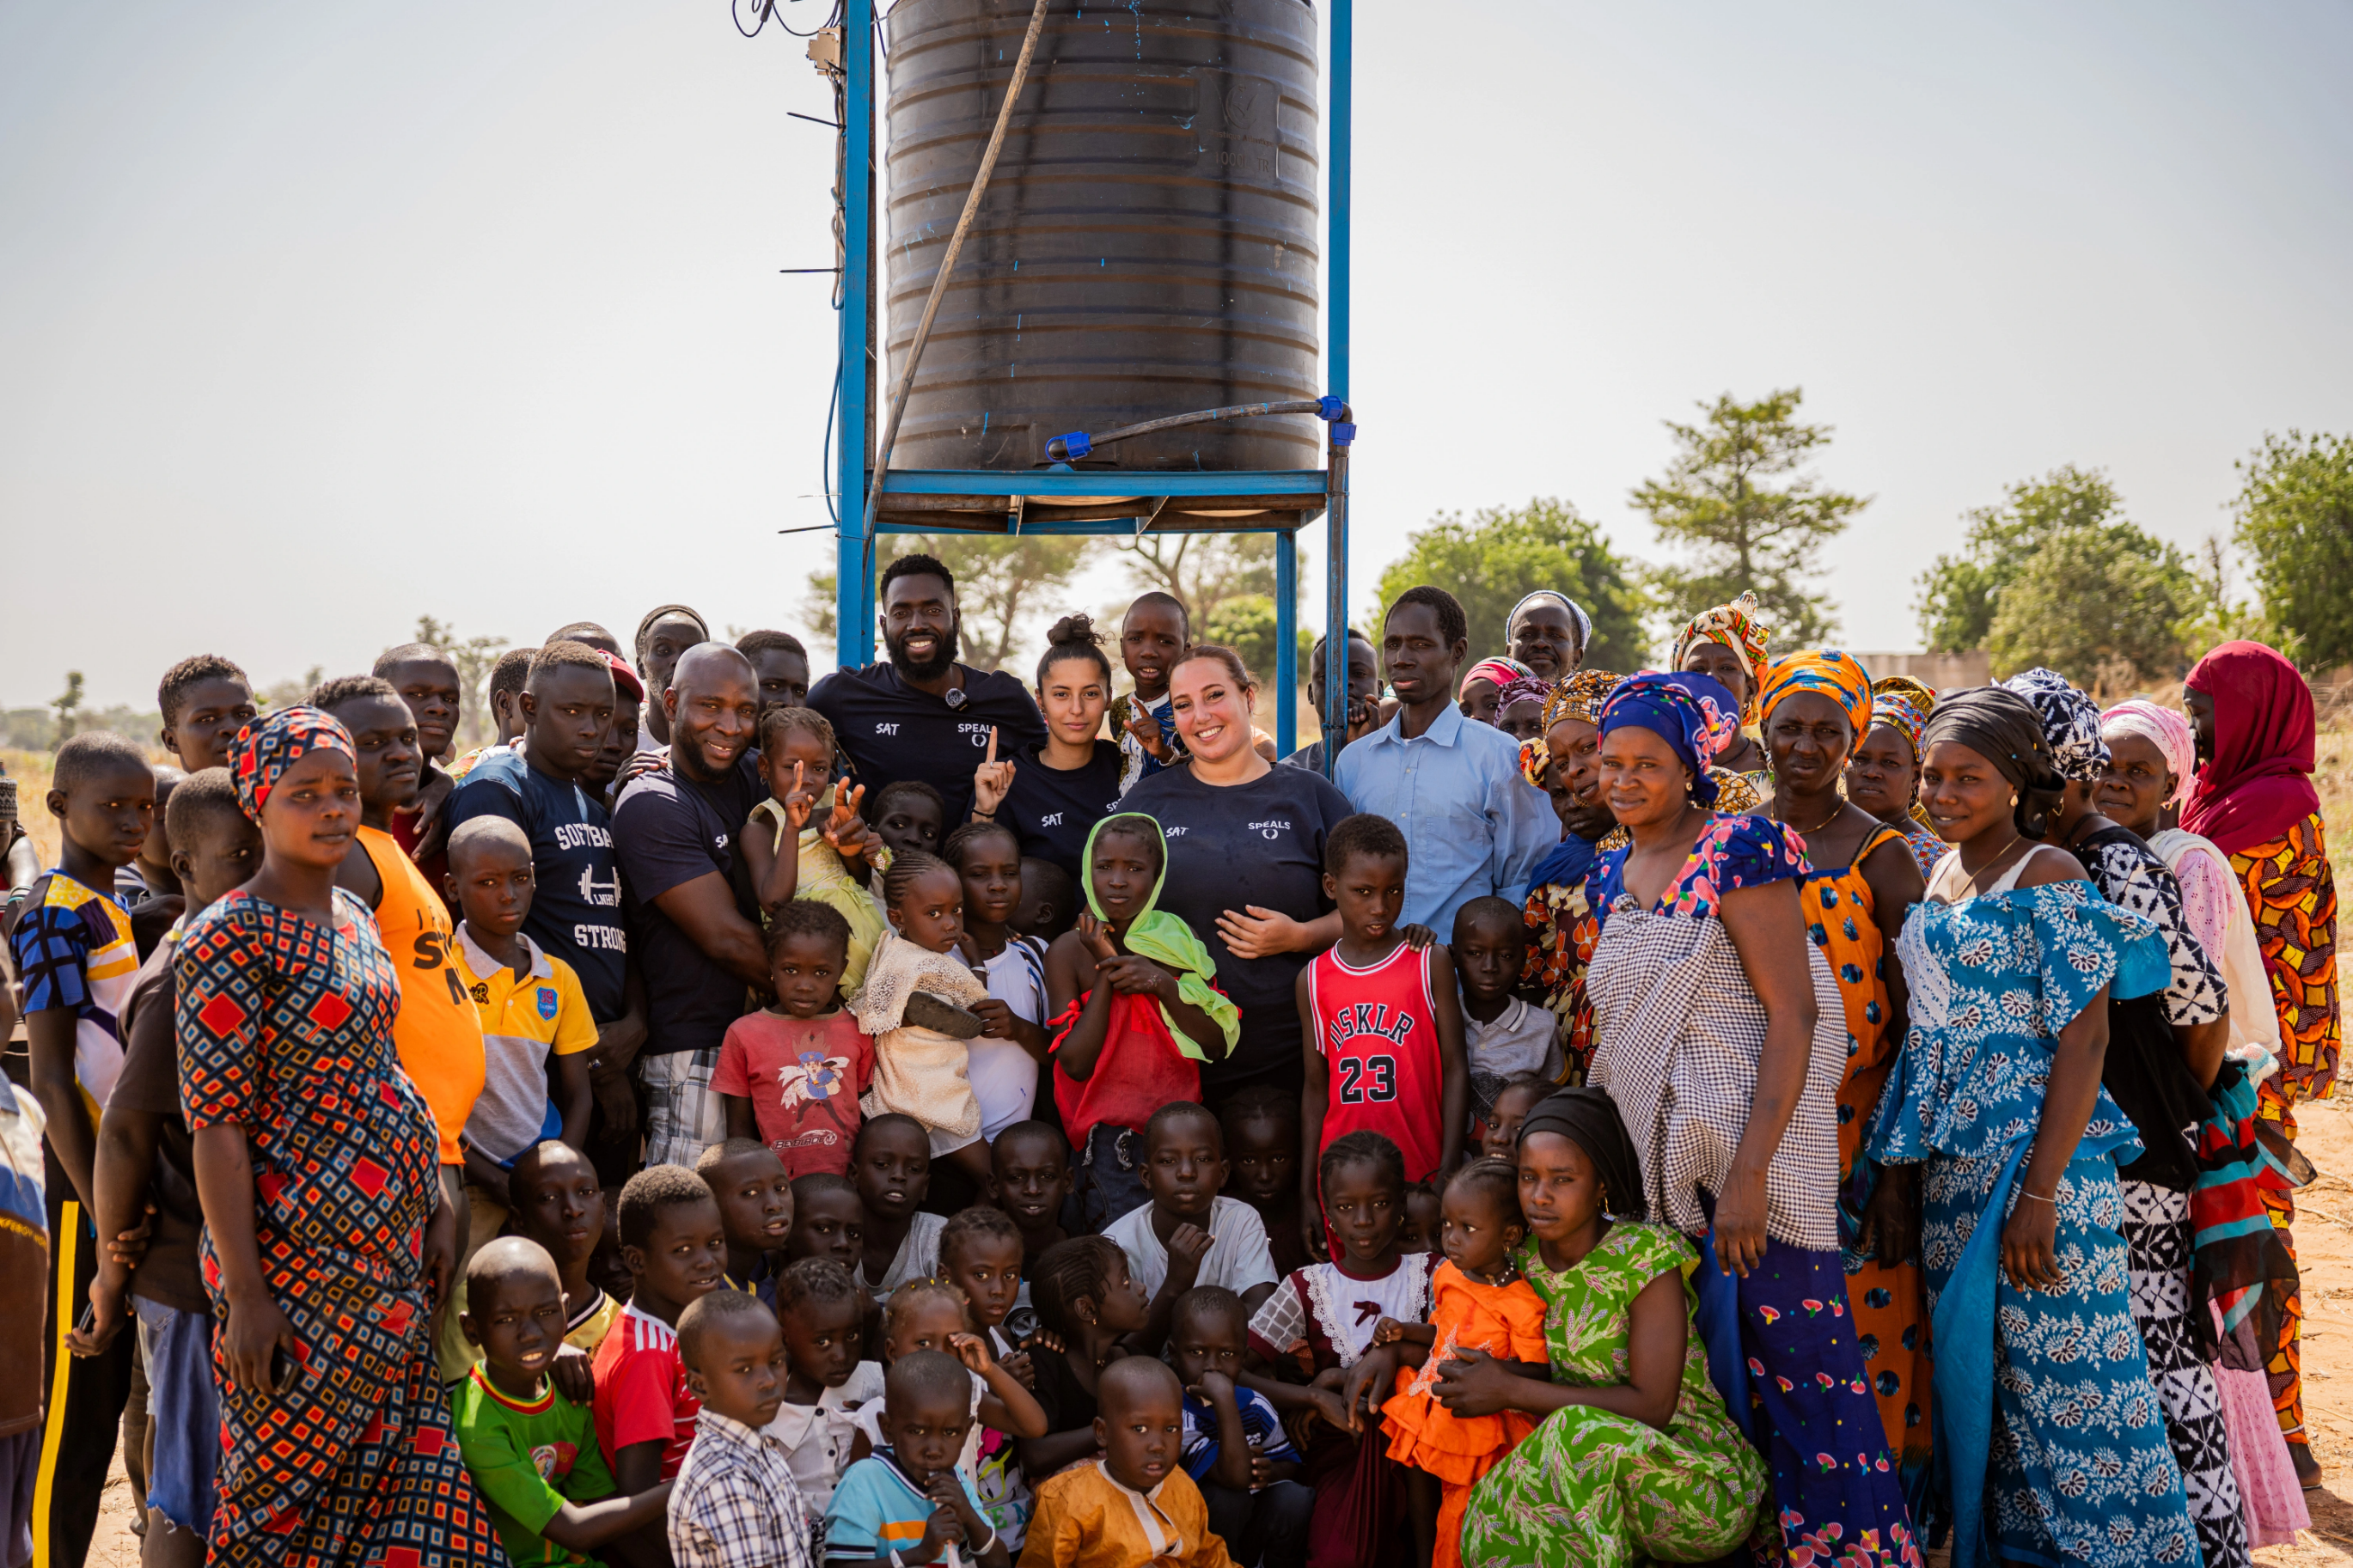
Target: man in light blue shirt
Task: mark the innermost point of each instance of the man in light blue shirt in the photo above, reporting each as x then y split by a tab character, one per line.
1472	825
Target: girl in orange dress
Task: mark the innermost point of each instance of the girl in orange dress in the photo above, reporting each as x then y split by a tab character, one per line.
1480	1302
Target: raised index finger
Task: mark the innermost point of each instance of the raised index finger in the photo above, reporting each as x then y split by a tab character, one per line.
992	742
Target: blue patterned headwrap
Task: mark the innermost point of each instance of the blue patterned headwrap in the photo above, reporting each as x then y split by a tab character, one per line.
1694	713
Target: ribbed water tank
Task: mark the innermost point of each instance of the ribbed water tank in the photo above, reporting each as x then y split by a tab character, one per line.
1148	245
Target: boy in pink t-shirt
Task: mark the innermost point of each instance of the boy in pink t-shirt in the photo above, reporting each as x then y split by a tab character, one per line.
790	1075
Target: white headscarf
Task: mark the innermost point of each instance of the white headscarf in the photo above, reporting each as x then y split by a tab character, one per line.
1577	616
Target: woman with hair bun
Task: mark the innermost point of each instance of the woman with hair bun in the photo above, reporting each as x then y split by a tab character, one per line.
1245	863
1052	794
2052	1437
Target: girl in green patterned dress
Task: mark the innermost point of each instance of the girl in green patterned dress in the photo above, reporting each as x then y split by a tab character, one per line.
1637	1459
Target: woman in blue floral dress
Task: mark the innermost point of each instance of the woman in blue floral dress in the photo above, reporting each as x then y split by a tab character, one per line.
1719	1031
2050	1436
323	1215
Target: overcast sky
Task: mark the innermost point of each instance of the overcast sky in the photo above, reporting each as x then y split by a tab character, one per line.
314	318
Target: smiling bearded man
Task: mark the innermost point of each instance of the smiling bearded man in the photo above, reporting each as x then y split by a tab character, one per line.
922	715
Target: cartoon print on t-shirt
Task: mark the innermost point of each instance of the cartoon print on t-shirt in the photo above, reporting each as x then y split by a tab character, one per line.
814	1076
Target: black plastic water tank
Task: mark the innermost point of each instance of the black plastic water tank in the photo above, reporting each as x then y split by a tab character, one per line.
1148	245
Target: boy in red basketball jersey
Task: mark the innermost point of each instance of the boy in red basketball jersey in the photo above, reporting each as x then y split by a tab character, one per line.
1380	1024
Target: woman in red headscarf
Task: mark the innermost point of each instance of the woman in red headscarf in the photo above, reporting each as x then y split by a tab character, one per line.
2253	798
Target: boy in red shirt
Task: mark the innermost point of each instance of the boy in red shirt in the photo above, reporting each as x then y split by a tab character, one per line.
675	1249
790	1073
1380	1024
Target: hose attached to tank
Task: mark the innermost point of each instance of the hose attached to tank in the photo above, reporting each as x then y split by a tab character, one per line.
947	266
1079	444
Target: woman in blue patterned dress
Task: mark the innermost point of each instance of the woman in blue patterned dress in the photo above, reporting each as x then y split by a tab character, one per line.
2051	1438
326	1237
1719	1032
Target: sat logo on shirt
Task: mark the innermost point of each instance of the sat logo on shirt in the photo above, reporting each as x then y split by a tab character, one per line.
547	1002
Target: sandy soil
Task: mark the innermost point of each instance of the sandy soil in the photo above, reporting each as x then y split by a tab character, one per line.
2324	1241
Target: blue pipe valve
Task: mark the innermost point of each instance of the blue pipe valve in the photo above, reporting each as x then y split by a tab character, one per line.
1069	447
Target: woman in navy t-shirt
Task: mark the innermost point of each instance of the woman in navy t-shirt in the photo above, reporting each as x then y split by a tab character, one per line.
1052	794
1245	863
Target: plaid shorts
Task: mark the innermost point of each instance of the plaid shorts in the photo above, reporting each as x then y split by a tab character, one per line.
683	1117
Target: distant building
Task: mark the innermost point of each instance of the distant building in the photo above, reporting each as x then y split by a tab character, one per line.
1937	671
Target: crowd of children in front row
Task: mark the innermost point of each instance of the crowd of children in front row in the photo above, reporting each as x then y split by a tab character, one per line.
787	1353
1072	1399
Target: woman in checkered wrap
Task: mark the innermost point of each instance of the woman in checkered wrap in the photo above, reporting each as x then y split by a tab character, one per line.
1720	1034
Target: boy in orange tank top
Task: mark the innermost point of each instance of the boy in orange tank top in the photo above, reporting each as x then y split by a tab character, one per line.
437	1032
1380	1024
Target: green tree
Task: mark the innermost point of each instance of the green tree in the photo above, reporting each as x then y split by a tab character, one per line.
2295	512
1960	595
476	658
1202	570
292	693
1004	587
2099	603
1502	554
1742	531
67	704
1245	623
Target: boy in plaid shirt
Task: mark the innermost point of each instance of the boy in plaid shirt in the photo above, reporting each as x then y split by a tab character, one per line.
736	1503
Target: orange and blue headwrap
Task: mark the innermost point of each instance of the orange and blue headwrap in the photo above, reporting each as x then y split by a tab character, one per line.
268	745
1694	713
1837	676
1904	706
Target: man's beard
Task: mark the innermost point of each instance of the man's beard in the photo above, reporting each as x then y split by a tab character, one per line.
932	669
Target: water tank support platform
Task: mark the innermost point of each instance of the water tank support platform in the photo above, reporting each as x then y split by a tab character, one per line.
1099	501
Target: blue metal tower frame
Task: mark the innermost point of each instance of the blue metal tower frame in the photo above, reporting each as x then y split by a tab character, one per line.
1298	492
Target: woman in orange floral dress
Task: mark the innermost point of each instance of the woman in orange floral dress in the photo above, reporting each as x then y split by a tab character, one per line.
2253	798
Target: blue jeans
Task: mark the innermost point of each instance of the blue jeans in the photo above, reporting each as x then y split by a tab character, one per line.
1106	1179
182	1409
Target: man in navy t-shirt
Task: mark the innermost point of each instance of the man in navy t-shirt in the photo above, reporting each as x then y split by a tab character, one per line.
922	715
567	703
697	938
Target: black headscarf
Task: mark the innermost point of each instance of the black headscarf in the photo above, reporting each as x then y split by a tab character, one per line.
1589	1118
2003	728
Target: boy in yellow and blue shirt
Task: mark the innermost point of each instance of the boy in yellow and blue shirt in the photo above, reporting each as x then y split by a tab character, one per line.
532	1009
77	960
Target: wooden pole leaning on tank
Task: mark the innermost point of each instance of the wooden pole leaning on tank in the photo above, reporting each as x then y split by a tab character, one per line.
947	266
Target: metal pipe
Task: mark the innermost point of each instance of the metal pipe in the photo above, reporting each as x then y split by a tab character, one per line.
1335	716
1286	643
948	261
853	631
1342	208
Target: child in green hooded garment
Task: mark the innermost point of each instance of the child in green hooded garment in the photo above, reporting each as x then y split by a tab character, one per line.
1136	1009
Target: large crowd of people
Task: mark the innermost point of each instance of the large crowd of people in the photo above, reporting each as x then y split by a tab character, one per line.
1741	1111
